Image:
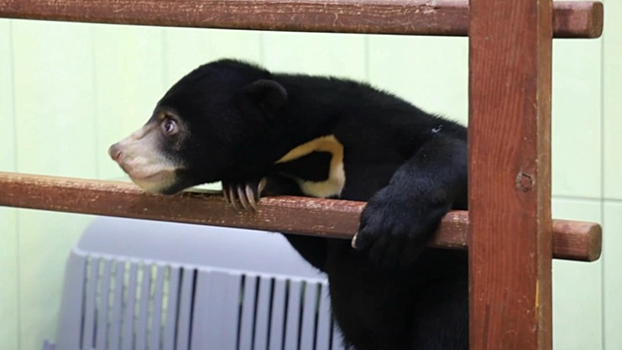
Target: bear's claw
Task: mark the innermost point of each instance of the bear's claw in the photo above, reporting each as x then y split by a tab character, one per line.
245	194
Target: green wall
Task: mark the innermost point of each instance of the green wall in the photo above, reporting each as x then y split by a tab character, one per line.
67	91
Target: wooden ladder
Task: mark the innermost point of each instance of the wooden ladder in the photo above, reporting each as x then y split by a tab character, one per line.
508	229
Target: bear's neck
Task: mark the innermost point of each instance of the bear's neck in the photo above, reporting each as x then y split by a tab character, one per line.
316	105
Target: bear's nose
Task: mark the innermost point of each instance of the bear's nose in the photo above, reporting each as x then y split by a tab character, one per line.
115	152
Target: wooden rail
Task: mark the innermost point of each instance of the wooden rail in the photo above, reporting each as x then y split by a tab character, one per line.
510	234
572	240
509	231
414	17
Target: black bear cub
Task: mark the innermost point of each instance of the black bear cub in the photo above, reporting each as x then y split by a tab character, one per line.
263	133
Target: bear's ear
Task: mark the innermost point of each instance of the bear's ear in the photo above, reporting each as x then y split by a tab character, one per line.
266	94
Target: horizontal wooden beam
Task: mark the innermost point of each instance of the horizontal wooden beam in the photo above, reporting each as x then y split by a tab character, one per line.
310	216
415	17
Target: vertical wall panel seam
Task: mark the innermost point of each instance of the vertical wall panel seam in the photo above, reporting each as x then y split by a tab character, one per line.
95	109
262	49
366	58
603	300
15	163
163	83
163	47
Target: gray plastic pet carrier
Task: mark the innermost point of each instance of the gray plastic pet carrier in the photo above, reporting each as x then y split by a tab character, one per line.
145	285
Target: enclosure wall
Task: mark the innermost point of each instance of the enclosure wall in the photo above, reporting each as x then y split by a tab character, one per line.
67	91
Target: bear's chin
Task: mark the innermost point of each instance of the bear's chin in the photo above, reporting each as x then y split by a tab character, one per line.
167	187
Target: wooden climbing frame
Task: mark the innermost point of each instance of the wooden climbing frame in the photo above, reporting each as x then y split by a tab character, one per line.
510	174
508	229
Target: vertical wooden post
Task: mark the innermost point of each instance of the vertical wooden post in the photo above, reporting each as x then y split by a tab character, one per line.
509	174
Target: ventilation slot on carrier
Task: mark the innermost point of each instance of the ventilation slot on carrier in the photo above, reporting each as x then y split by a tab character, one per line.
134	305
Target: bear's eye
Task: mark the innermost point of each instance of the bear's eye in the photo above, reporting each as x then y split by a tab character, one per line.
169	126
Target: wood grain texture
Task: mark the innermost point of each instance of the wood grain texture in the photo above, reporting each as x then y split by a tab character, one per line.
310	216
420	17
510	243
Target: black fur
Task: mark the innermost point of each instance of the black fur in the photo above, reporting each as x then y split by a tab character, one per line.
391	293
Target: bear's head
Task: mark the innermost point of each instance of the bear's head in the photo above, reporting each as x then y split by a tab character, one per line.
214	117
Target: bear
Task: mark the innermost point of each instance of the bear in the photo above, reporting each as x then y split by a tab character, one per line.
262	133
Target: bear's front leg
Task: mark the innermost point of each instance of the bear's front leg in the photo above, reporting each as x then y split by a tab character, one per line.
399	219
247	193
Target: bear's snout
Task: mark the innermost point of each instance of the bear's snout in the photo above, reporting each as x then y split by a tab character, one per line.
115	152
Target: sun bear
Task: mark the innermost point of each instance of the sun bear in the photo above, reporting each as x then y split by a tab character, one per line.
263	133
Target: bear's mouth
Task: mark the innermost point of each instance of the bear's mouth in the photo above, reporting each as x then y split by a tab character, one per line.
144	176
146	173
159	182
159	176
